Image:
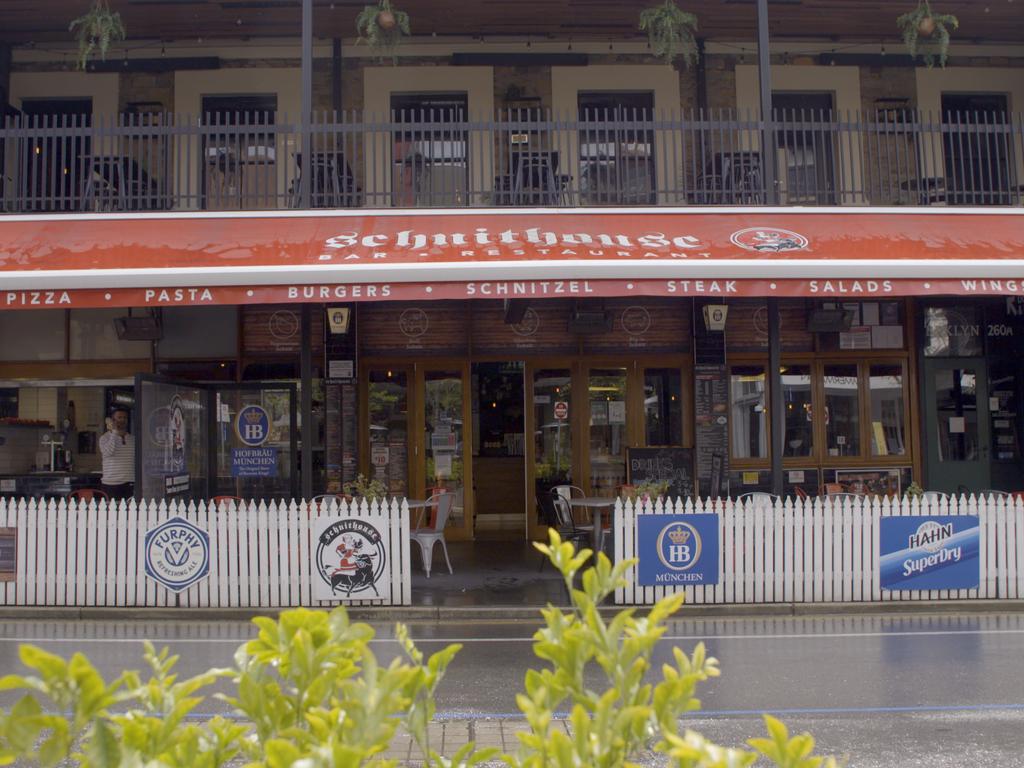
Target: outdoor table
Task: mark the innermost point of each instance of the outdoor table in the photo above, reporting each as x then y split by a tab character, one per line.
595	504
420	504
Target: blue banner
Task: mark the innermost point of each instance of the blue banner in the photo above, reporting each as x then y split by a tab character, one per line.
254	462
938	552
676	550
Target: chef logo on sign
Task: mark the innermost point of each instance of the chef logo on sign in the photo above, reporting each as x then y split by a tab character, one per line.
350	557
769	239
679	546
253	425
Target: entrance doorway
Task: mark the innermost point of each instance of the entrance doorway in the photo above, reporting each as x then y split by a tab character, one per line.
499	449
415	440
957	425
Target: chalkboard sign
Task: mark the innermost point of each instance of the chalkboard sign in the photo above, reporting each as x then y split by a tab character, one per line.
711	416
657	464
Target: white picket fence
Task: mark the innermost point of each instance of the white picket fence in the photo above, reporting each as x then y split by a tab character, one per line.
91	554
819	550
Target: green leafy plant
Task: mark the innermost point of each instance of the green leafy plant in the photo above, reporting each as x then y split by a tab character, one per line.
365	488
610	727
934	27
914	491
309	692
382	28
649	489
670	32
96	30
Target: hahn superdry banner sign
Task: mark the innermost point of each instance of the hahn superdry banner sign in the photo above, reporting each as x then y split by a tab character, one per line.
201	259
938	552
351	559
677	550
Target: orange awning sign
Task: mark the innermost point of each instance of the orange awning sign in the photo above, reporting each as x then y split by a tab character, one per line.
198	259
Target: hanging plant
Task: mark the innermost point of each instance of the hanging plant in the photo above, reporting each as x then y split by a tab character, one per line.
934	28
96	30
670	32
382	27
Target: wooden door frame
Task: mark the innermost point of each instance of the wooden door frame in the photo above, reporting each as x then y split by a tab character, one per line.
463	366
415	368
363	421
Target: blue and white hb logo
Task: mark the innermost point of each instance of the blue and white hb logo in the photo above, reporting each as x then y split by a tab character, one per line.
677	549
253	425
679	546
177	554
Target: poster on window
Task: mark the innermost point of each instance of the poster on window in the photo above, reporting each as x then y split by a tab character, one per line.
933	552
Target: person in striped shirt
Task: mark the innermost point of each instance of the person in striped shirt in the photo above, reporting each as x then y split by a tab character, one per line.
117	447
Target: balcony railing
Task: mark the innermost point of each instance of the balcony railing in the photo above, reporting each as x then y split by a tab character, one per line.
519	158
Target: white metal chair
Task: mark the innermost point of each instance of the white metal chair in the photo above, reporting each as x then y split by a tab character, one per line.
757	497
428	537
935	496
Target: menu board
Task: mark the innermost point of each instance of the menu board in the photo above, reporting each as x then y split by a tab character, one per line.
659	464
711	416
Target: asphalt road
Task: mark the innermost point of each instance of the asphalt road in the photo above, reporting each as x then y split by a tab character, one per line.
945	690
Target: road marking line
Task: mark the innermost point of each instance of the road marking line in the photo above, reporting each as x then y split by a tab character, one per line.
713	713
467	640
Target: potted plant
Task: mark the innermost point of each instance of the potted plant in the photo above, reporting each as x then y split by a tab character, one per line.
670	32
382	27
364	488
934	27
649	490
96	30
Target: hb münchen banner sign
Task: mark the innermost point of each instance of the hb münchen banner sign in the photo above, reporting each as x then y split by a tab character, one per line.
678	550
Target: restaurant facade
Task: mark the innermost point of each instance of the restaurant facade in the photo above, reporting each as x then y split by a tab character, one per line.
520	261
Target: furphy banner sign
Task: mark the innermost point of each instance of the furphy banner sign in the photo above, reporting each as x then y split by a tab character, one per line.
678	550
939	552
177	554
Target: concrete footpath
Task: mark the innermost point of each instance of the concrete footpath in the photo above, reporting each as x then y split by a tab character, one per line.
517	613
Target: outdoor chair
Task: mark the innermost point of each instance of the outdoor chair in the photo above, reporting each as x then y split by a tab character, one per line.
428	537
324	501
570	492
549	516
757	498
88	494
580	535
216	501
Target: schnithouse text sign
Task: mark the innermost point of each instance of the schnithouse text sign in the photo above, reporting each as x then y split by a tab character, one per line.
939	552
676	550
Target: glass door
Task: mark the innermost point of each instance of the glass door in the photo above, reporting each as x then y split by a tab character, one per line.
608	436
956	425
551	450
445	466
387	408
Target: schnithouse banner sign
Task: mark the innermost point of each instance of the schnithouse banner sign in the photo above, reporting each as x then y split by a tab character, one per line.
930	552
677	550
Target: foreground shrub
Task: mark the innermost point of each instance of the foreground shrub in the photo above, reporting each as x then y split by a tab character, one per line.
309	692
